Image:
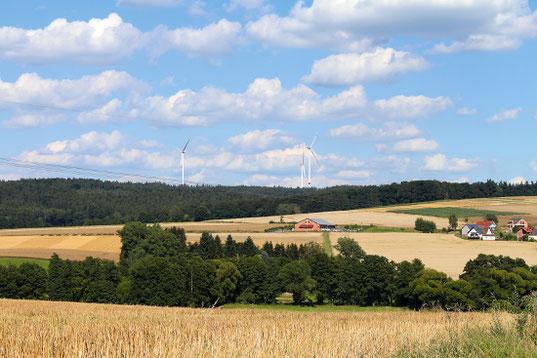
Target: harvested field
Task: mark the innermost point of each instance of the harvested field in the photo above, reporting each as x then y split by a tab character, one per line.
73	247
63	329
443	252
359	217
260	238
211	226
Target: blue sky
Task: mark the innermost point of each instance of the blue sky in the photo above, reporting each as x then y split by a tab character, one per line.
396	90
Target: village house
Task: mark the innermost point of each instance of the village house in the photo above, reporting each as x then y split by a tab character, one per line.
308	224
524	231
483	230
533	234
517	222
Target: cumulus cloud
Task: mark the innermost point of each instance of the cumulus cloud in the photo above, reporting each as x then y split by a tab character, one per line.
354	174
465	111
258	139
505	116
517	180
107	40
357	24
390	131
213	40
266	99
382	64
440	162
412	106
37	101
416	145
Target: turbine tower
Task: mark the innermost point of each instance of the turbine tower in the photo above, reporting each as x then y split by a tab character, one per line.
312	154
302	170
183	163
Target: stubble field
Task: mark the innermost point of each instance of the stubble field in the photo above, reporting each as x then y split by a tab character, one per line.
61	329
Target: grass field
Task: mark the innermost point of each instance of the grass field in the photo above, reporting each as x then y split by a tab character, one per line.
63	329
19	260
445	212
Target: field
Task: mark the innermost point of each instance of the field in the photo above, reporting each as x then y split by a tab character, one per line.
439	251
445	212
62	329
18	260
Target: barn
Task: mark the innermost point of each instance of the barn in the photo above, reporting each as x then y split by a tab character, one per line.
308	224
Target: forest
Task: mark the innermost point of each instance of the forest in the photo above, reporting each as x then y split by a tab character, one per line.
77	202
157	267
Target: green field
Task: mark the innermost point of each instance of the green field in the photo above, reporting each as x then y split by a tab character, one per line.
320	308
19	260
460	212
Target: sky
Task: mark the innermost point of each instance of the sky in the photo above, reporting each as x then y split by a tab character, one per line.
396	90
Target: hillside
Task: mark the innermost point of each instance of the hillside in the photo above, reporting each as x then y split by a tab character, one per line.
77	202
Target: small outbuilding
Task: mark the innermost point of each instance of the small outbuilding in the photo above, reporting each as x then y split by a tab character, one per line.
308	224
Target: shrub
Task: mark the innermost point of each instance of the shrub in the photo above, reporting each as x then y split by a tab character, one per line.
424	225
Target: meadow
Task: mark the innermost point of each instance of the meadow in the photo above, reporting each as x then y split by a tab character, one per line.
63	329
19	260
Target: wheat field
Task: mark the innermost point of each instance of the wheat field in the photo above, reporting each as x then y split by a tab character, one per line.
61	329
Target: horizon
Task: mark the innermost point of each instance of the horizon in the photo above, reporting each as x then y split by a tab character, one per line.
397	92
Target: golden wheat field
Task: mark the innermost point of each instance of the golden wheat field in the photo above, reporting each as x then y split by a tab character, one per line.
443	252
61	329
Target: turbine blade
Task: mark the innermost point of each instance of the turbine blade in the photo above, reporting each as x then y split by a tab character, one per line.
186	145
315	157
313	142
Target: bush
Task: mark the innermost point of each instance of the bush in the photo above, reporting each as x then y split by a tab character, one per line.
424	225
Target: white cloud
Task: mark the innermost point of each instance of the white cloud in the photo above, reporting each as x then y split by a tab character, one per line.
517	180
267	100
108	40
505	116
465	111
412	106
462	179
416	145
37	100
213	40
257	139
96	41
354	174
440	162
533	165
390	131
356	24
149	3
382	64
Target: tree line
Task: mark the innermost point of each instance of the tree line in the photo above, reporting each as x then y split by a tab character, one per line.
158	267
76	202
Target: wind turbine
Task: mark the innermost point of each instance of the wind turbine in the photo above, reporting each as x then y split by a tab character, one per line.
312	154
183	162
302	169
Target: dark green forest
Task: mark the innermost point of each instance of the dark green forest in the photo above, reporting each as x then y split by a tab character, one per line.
75	202
158	267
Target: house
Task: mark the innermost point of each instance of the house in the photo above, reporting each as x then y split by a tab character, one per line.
517	222
533	234
308	224
474	231
488	234
487	224
523	231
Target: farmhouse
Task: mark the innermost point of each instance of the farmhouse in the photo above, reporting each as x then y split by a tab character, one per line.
517	222
523	231
533	234
487	224
480	232
308	224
